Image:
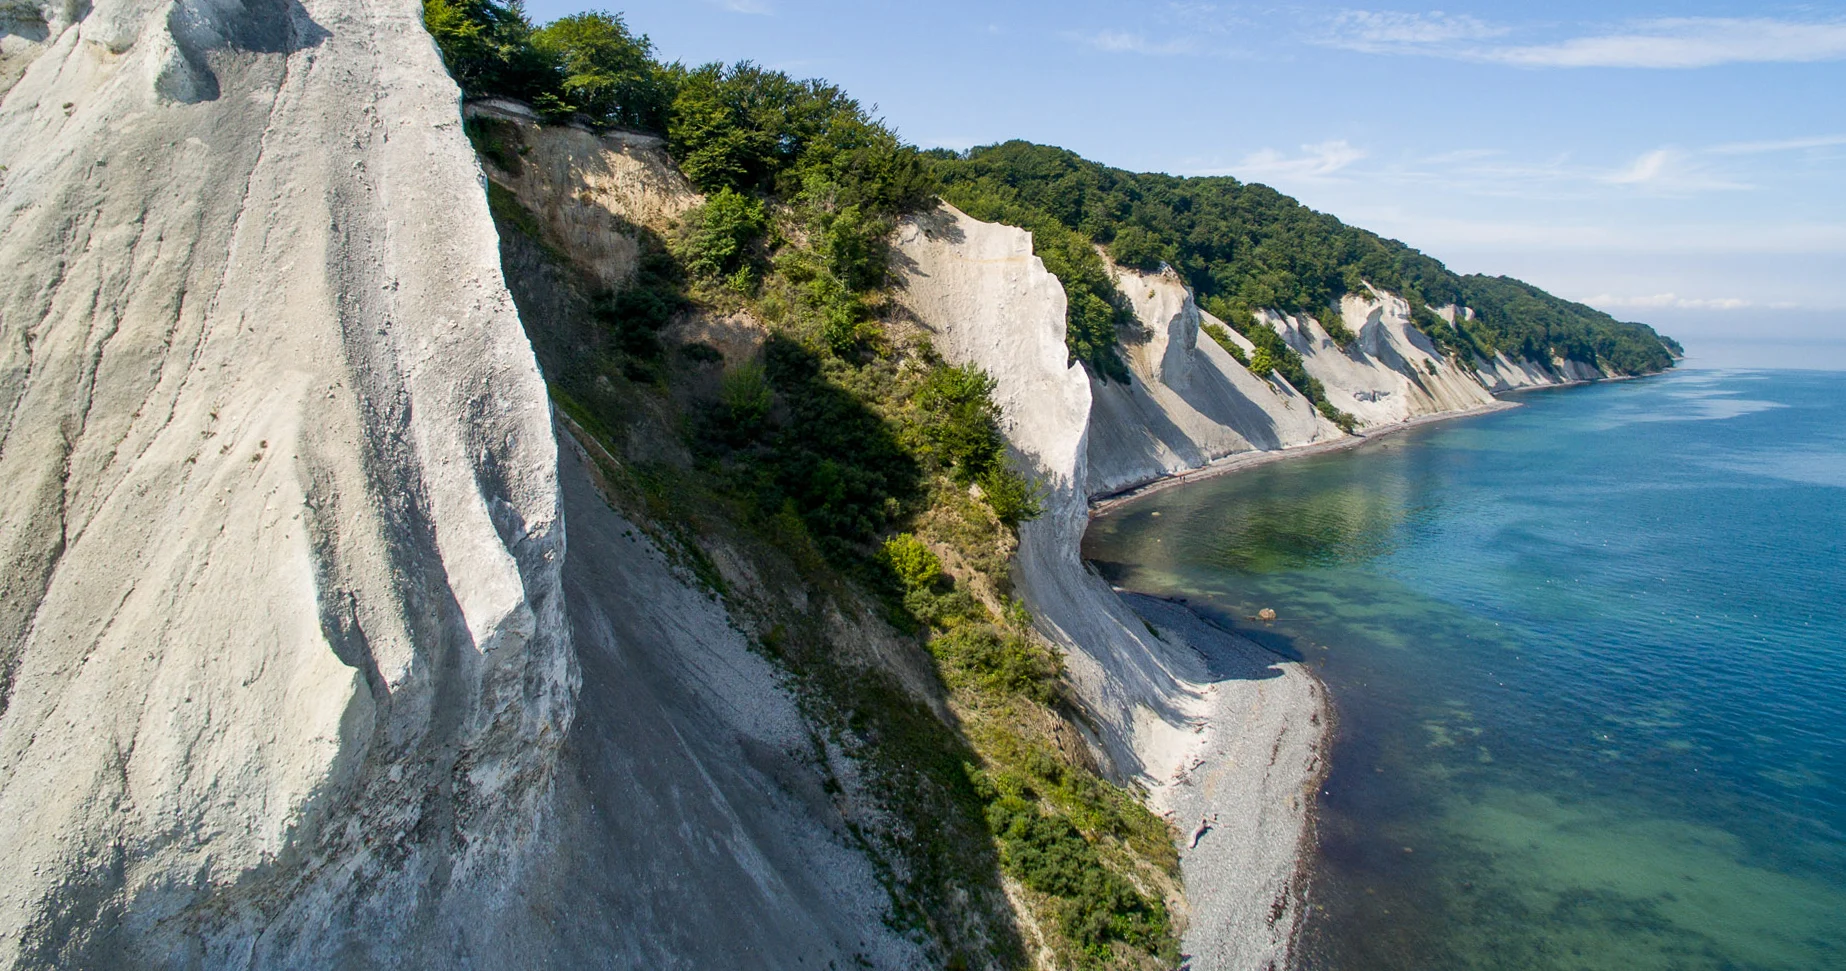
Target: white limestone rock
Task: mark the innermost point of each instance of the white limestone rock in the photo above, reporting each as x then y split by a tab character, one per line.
1190	403
282	635
989	302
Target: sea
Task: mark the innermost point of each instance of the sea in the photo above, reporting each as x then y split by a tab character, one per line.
1587	659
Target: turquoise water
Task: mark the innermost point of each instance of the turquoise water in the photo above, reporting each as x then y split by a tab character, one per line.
1588	660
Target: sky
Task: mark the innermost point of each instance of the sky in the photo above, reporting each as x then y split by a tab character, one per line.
1680	164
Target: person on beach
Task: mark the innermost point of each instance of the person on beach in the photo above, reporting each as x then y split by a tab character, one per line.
1204	827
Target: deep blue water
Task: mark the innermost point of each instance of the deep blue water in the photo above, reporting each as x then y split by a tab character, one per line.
1588	660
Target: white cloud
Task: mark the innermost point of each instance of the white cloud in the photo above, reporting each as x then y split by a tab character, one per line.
1124	42
1660	300
1671	171
1688	42
758	7
1675	42
1647	168
1784	145
1388	31
1316	161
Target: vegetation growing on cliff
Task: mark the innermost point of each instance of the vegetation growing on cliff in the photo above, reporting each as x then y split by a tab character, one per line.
1250	246
841	456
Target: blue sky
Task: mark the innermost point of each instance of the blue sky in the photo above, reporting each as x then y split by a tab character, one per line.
1682	164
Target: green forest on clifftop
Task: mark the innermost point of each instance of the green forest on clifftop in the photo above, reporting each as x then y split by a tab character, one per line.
1240	246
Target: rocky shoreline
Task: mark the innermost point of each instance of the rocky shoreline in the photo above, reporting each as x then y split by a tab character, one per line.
1243	801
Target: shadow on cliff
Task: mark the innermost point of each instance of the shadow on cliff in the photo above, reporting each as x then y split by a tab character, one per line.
786	806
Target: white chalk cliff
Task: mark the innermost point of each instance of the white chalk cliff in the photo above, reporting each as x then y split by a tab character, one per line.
991	303
282	622
294	670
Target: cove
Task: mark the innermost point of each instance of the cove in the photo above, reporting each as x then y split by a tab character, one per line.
1588	664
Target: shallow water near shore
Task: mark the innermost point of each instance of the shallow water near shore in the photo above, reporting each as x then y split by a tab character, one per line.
1588	659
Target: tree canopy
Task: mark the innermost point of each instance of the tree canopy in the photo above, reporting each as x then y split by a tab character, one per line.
1243	246
586	64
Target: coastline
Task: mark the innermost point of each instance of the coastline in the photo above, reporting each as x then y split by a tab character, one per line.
1243	460
1260	759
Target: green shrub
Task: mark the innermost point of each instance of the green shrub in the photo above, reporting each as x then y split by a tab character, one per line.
1263	363
745	395
960	420
1096	906
914	565
1012	497
1137	248
1345	421
998	661
1335	326
635	315
855	247
1218	333
721	233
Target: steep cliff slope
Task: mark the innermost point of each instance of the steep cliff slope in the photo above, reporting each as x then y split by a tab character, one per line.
1192	403
693	794
701	784
1161	702
285	666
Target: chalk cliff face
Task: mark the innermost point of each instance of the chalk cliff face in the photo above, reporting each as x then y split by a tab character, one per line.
991	303
1391	372
593	193
1191	403
285	664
